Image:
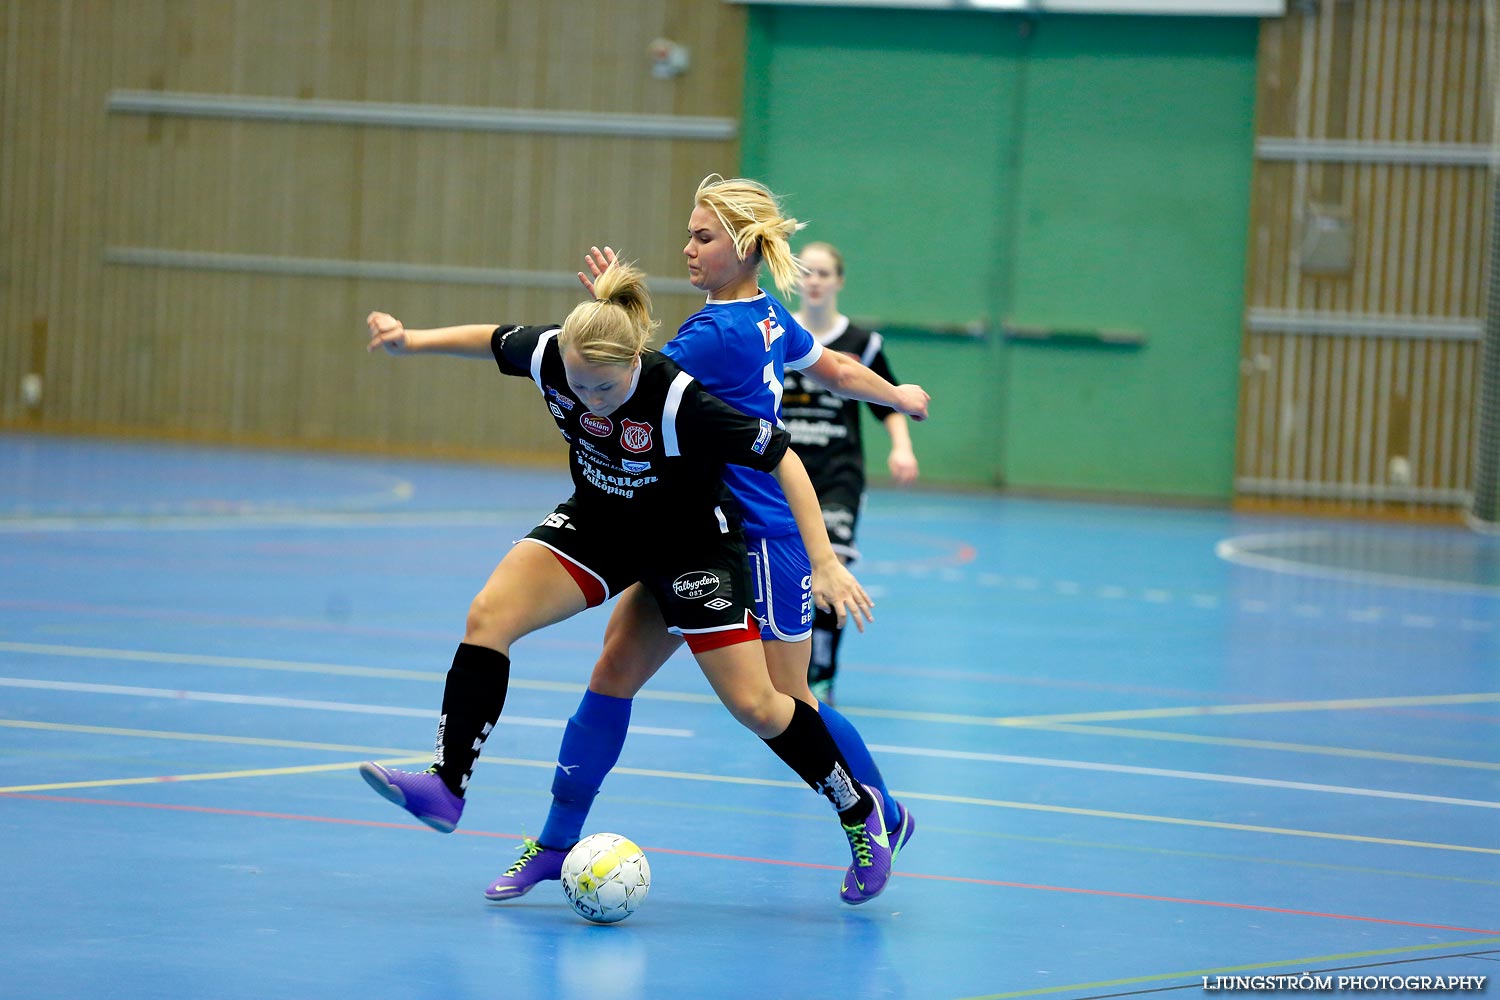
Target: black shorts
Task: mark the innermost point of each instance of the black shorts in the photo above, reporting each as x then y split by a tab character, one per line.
702	584
841	518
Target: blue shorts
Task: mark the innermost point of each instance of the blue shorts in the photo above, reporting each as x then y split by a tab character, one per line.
783	587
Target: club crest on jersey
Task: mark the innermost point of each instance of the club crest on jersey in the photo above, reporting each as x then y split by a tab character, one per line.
771	329
635	436
763	438
559	398
699	583
596	425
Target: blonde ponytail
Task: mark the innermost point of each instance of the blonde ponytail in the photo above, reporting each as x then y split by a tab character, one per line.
613	328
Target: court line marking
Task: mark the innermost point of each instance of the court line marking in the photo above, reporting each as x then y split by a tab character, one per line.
286	517
1161	772
306	667
1236	550
1028	722
164	779
271	701
1258	708
1249	744
1299	964
968	800
1038	887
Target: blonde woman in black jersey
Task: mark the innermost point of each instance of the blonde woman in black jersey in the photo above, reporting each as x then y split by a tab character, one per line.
648	446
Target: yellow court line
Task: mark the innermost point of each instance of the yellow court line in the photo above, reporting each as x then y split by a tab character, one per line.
1182	821
406	757
260	772
1232	741
1176	712
1299	964
1256	708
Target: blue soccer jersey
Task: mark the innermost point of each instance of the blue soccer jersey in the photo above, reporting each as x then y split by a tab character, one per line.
738	350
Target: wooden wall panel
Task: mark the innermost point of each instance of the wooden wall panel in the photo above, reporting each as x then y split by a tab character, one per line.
222	353
1359	381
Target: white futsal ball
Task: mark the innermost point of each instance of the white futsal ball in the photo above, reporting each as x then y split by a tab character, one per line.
606	877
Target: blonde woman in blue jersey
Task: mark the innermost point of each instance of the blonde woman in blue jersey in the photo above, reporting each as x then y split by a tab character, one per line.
739	346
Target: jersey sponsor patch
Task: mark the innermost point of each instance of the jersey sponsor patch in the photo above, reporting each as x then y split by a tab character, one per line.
696	584
771	329
763	438
596	425
635	436
634	468
559	398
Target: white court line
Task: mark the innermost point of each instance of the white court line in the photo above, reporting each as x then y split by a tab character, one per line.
275	702
1160	772
304	667
263	518
1241	550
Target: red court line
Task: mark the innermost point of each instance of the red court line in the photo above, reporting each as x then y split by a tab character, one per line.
1219	904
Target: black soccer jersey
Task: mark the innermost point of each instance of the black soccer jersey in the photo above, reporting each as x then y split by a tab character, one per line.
657	461
824	427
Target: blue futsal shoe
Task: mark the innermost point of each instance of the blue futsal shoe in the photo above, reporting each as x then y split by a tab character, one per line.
421	793
537	864
871	847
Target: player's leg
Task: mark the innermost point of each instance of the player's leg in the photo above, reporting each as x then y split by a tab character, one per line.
841	519
783	580
636	644
796	733
532	587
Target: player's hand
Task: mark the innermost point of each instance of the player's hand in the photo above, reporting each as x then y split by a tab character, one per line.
903	465
912	400
835	589
598	262
386	331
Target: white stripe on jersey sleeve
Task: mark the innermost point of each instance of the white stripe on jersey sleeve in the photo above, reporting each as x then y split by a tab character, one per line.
536	358
871	349
807	360
669	413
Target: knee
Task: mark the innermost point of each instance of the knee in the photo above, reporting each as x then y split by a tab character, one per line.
765	714
619	676
485	623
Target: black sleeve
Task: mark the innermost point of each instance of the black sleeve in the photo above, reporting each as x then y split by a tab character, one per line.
880	366
514	346
710	429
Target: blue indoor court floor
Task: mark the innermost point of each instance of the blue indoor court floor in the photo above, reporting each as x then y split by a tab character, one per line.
1143	745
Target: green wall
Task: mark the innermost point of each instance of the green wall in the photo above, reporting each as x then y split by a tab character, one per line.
1073	172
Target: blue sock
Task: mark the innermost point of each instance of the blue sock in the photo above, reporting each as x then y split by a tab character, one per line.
852	746
590	746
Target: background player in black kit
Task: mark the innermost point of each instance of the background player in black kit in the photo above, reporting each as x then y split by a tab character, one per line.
647	448
825	430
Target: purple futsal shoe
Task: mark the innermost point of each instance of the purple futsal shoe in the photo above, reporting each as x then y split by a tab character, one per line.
902	829
537	864
421	793
871	847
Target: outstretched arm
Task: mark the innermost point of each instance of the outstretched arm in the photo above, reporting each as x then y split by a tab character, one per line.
834	588
841	374
388	332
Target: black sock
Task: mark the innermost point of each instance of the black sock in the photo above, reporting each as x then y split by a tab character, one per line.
472	700
826	636
810	751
